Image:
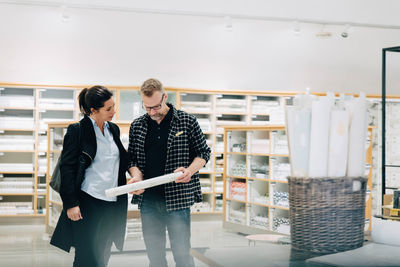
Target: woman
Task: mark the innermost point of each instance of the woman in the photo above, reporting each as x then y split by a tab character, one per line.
93	160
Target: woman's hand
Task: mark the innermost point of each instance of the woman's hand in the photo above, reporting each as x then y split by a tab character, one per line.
134	180
137	176
74	213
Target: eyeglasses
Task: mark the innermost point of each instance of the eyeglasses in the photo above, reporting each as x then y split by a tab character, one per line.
157	107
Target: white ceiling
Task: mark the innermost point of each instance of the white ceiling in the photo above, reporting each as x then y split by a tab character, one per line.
369	13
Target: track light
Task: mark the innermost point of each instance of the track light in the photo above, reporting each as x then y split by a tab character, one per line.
64	14
323	33
228	23
296	27
345	32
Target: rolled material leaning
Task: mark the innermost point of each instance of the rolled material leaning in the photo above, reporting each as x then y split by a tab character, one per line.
116	191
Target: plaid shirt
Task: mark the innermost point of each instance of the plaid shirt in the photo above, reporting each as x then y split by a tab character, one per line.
185	142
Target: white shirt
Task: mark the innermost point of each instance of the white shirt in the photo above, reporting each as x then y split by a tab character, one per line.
102	174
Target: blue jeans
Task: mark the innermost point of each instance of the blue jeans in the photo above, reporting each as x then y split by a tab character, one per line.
155	220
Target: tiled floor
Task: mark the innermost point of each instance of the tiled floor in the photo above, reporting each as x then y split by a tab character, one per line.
28	245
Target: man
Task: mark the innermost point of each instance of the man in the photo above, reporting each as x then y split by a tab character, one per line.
166	140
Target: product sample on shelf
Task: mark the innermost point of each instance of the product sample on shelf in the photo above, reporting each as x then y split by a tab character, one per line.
16	185
205	184
17	101
17	142
16	208
16	167
205	124
238	190
259	170
17	122
196	106
259	146
237	216
231	105
238	169
201	207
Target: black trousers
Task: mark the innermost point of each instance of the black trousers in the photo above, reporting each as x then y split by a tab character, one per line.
93	234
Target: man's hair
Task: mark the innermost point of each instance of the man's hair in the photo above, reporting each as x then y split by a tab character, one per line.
150	86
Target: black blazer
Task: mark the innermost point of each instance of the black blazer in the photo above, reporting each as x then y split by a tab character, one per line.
79	149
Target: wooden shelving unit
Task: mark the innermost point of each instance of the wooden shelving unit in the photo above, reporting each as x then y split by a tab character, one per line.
256	195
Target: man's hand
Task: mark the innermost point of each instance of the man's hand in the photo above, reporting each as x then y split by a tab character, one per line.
74	213
134	180
185	177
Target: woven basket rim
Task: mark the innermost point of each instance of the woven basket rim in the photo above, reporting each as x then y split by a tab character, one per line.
327	178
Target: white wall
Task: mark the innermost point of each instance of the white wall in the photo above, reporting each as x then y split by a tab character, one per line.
125	48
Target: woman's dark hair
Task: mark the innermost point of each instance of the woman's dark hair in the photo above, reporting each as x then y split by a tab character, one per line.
94	97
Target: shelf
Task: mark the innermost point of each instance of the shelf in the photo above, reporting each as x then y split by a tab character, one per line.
22	215
230	113
8	172
206	212
197	112
236	153
17	108
16	130
236	177
259	179
54	108
17	151
259	204
259	114
279	207
17	194
278	181
236	200
259	154
259	190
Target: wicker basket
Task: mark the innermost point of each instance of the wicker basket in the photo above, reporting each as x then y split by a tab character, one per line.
327	215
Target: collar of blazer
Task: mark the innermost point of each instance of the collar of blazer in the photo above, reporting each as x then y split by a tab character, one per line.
88	137
89	144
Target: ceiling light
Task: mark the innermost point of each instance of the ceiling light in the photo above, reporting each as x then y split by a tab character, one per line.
345	32
64	14
323	33
296	27
228	23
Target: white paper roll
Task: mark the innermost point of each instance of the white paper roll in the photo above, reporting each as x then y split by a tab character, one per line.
338	143
298	126
357	137
116	191
319	141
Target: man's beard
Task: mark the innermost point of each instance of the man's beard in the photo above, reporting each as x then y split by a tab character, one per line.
157	117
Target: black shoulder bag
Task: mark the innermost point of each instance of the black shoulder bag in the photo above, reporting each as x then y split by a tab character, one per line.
55	181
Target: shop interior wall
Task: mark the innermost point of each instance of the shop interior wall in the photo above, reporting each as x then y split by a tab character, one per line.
124	48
